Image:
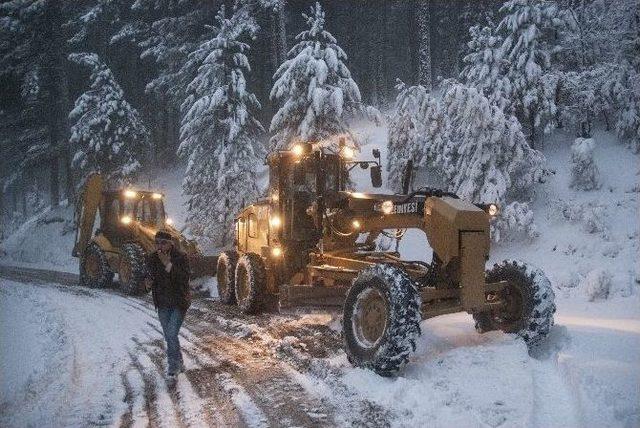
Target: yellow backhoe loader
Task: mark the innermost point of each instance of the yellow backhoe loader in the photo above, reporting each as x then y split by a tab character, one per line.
128	221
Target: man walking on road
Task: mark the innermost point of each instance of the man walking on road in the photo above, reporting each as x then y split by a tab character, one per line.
168	270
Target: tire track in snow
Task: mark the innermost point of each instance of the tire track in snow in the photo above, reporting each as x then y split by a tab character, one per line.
271	387
554	402
158	403
266	383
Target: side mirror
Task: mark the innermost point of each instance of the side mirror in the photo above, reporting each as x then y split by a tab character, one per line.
298	174
376	176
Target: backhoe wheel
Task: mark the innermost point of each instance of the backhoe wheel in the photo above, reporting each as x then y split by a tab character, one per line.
529	302
94	268
381	319
226	274
133	269
251	282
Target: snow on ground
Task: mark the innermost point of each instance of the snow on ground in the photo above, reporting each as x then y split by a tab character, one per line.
44	241
62	355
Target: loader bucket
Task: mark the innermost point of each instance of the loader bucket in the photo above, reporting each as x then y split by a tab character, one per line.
202	265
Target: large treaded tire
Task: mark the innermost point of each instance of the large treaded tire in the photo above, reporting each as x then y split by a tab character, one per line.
132	259
226	275
531	302
397	293
102	275
252	275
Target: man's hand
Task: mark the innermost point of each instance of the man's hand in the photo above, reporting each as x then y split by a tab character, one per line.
165	258
147	283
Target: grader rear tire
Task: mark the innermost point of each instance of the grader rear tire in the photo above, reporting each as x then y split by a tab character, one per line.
251	282
94	268
529	306
381	319
133	269
226	276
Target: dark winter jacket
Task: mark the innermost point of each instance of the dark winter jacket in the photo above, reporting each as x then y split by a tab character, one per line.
170	289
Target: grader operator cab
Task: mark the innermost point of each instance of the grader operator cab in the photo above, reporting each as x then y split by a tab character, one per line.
128	222
312	242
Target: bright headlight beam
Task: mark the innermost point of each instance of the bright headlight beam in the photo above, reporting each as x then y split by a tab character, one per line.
387	207
125	219
493	209
348	153
275	221
130	194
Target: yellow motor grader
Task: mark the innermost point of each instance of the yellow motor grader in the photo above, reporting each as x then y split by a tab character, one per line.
128	222
312	242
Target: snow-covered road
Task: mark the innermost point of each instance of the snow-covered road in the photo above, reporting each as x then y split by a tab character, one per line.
76	357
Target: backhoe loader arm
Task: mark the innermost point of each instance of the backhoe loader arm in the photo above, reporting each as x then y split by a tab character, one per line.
85	215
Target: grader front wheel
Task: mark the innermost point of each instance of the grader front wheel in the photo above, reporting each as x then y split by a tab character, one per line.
226	276
251	278
381	319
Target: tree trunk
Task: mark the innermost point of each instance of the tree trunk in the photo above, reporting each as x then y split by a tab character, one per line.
533	137
278	36
424	28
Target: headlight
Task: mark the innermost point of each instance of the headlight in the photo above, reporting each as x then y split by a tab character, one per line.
130	194
298	150
125	219
168	221
493	210
387	207
274	197
347	153
156	196
276	251
356	224
275	221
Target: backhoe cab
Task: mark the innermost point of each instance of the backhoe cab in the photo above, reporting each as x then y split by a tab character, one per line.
313	242
129	220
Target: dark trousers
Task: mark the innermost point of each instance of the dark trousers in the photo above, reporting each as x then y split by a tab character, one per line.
171	321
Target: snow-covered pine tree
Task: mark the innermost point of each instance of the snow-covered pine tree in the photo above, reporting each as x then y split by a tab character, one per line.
585	174
527	51
219	133
484	153
485	68
108	134
416	128
314	87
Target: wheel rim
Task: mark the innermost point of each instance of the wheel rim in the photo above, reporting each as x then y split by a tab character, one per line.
511	310
222	279
242	284
92	266
370	317
125	271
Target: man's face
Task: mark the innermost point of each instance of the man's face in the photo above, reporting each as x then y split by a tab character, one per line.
163	245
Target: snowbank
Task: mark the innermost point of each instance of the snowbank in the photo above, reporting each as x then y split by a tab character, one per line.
44	241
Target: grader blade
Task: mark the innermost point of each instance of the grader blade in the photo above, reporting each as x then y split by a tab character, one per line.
295	296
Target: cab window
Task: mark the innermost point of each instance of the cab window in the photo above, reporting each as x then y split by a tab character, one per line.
253	226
